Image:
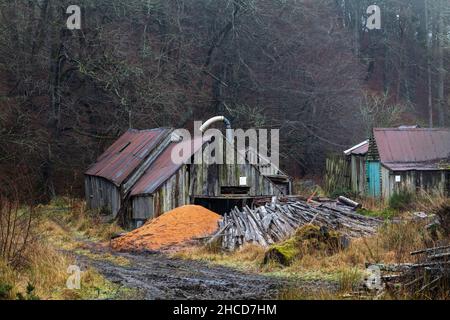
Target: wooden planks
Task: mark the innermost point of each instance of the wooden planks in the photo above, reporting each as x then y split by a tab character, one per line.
275	222
338	172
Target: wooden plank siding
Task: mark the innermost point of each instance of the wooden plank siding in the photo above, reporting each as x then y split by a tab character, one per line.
198	181
358	174
337	173
172	193
413	181
207	180
386	186
142	207
102	195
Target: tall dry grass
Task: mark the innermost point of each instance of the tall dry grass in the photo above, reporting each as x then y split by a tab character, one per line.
392	244
90	223
16	224
46	255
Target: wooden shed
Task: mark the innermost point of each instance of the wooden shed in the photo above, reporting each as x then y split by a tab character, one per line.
407	159
357	157
156	184
105	178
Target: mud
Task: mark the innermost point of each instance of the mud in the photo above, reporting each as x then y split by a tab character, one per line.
157	276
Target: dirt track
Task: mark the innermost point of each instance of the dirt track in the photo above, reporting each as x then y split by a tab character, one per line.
160	277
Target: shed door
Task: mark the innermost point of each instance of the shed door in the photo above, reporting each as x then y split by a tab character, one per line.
373	178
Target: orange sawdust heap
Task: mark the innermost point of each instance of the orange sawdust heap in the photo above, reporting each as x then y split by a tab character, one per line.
171	228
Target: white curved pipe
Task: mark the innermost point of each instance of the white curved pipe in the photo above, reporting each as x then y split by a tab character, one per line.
209	122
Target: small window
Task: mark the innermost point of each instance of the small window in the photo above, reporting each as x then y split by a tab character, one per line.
398	178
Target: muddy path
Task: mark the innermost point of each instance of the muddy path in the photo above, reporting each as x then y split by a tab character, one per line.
157	276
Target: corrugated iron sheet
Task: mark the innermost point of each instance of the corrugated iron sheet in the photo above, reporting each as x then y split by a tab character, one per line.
395	166
362	150
126	154
413	149
163	167
359	149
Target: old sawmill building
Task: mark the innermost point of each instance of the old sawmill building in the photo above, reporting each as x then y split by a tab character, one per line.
136	176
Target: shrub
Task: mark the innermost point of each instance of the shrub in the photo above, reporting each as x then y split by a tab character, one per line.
307	239
386	213
29	295
349	279
442	211
5	291
15	230
403	238
401	200
346	192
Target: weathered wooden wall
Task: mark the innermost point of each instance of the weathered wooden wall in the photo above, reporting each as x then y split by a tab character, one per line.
207	180
102	195
386	186
413	181
171	194
263	164
338	173
142	207
200	180
358	174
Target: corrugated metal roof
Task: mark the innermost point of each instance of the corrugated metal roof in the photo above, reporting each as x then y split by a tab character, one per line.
163	167
359	149
394	166
413	148
125	155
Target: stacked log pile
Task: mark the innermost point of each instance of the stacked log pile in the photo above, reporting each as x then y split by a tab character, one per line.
428	278
275	222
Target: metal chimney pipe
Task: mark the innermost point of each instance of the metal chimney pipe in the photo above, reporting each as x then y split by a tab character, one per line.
228	131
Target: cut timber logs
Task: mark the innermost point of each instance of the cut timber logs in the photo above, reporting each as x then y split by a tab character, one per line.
349	202
428	278
277	221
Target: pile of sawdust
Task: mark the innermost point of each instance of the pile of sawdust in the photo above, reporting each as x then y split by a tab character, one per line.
172	228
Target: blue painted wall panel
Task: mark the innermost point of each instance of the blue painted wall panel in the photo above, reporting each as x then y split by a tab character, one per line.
373	176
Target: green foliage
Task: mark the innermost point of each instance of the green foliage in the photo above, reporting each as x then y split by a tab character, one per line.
401	200
346	192
60	202
30	295
283	253
5	291
386	213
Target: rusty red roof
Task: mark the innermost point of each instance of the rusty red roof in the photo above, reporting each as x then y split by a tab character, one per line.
413	148
164	167
126	154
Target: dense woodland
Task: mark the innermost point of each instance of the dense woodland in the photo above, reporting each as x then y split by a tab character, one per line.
308	67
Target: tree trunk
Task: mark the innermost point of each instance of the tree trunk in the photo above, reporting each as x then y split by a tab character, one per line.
440	65
429	78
